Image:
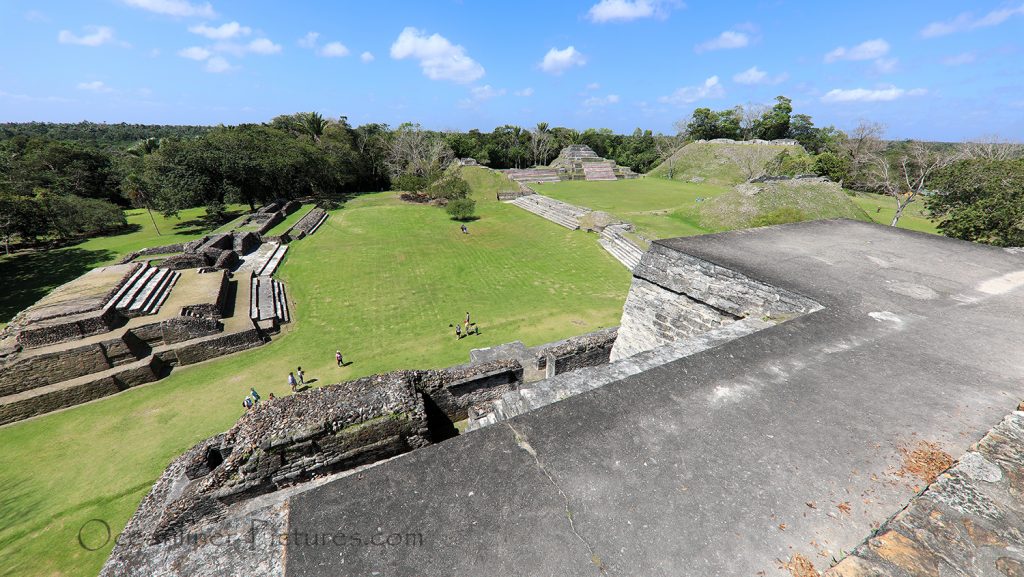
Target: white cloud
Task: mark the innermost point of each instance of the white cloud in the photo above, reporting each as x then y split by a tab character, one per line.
626	10
438	58
755	75
174	7
194	53
724	41
870	95
868	50
309	40
36	16
485	92
97	35
479	94
94	86
334	50
558	61
711	88
526	92
960	59
367	57
593	86
222	32
599	101
886	65
967	21
263	46
218	64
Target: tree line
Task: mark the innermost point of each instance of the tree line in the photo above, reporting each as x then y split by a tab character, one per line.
63	181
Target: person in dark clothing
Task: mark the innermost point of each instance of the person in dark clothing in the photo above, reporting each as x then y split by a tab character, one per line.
458	331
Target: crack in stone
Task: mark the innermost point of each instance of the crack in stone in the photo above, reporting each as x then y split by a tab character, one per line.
525	445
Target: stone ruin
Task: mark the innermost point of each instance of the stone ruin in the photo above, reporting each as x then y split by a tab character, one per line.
128	324
747	418
574	162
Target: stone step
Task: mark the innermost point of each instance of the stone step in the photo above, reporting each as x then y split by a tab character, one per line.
317	225
127	286
140	283
274	261
154	284
159	302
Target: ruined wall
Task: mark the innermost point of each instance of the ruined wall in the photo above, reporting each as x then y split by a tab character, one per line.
214	347
64	329
186	328
675	296
587	350
30	372
58	398
292	439
455	389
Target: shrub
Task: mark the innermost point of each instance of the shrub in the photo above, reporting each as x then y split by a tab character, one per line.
409	182
449	187
462	208
831	166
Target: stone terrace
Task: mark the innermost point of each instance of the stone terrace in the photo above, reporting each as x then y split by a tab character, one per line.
558	212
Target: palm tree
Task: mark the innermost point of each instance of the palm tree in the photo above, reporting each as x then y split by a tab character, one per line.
313	124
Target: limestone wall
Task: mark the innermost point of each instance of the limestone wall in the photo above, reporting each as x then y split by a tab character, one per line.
292	439
215	347
30	372
675	296
64	329
62	397
587	350
455	389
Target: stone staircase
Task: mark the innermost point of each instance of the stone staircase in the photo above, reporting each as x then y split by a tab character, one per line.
620	246
558	212
572	383
268	300
534	175
598	171
145	291
268	261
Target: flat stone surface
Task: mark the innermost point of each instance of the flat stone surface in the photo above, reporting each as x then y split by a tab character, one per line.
724	462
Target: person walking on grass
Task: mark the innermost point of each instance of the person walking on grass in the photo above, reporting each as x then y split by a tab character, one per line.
291	382
337	357
464	229
467	324
255	396
458	331
301	375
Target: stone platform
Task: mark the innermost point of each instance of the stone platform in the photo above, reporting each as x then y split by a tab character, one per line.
719	454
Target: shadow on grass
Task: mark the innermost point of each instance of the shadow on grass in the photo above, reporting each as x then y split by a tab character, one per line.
199	225
17	506
28	276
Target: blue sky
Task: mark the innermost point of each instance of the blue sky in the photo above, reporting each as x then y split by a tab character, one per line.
938	70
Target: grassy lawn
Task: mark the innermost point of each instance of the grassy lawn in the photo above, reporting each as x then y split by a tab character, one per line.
381	280
881	209
662	208
290	220
659	208
29	275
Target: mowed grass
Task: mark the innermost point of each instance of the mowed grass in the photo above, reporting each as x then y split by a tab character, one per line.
660	208
381	280
29	275
881	209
